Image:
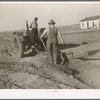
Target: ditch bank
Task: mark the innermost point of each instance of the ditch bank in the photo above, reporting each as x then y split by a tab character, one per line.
25	74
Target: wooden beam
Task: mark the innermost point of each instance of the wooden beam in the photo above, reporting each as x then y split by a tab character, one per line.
81	51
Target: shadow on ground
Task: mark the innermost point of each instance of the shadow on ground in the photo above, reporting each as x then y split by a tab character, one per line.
66	46
74	72
91	53
87	59
94	52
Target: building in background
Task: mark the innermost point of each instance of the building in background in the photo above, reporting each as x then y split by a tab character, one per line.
90	22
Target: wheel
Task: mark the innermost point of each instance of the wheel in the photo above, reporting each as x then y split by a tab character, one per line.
18	47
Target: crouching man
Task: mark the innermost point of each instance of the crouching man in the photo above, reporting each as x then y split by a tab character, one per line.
52	42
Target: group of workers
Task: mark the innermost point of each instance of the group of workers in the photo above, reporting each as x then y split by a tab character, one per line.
52	41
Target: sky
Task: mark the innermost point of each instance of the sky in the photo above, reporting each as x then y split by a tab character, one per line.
13	15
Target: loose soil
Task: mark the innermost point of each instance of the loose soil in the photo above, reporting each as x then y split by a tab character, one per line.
35	72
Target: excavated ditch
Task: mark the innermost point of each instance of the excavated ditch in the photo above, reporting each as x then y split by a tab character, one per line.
34	72
25	75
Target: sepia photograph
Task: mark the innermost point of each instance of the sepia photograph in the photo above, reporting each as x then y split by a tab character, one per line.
50	45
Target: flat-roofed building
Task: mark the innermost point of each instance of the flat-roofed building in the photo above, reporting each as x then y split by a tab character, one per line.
90	22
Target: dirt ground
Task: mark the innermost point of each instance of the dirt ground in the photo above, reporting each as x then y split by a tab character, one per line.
35	72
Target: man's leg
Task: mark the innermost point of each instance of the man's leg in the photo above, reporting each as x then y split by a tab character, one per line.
55	52
36	46
37	38
37	41
50	55
32	37
35	33
29	43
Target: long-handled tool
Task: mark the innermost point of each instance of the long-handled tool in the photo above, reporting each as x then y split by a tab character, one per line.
27	25
44	45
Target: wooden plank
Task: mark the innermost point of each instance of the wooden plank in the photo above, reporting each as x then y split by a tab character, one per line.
81	51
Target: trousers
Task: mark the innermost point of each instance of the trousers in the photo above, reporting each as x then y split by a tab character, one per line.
34	37
52	50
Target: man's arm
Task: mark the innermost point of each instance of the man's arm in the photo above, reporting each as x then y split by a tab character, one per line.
44	33
60	37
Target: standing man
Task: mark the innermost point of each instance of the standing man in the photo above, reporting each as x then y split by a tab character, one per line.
52	41
34	34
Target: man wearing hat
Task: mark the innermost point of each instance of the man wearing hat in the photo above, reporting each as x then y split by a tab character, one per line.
34	35
52	32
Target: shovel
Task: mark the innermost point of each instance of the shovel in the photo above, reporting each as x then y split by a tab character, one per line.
44	45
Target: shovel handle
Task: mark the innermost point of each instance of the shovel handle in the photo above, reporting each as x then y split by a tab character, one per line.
44	45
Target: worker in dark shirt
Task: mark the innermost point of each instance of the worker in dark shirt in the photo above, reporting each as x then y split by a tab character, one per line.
34	34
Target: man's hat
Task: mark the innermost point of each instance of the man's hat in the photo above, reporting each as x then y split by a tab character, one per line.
51	22
35	18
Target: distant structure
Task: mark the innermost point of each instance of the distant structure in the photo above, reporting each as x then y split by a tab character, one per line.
90	22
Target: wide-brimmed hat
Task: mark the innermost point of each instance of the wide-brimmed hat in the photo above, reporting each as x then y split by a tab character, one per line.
51	22
35	18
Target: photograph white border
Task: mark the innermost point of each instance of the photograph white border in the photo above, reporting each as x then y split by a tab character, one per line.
50	93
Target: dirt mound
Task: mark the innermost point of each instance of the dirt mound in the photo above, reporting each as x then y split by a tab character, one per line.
86	72
20	80
27	76
6	46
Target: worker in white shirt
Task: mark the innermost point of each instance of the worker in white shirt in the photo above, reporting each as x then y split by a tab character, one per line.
52	32
34	35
